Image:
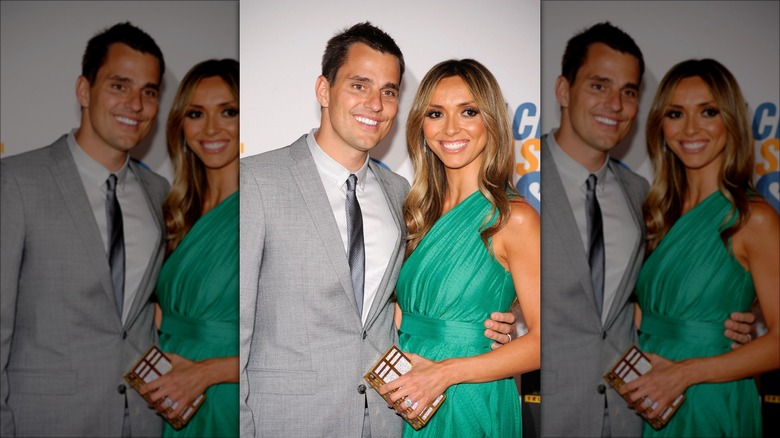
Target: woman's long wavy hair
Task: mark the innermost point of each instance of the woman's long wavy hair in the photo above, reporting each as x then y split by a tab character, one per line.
665	201
424	203
184	203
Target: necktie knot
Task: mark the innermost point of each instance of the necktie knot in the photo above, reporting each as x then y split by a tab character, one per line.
111	181
590	183
351	182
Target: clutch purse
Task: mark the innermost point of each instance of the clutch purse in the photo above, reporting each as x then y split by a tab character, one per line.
633	364
152	365
391	366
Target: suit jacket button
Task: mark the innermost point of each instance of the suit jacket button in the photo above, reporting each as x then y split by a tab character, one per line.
364	335
604	334
121	389
601	389
361	389
124	334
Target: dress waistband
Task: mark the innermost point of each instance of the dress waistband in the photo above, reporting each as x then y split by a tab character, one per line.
686	331
199	330
442	330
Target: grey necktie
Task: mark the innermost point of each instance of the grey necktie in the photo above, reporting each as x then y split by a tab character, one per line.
595	241
357	252
116	242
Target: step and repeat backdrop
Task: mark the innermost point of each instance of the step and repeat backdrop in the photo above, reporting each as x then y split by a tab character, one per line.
41	45
742	35
282	45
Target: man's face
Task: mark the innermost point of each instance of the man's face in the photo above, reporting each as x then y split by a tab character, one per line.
361	104
599	108
119	108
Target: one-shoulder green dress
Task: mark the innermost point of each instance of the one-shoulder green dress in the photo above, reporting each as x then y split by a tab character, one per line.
686	289
447	288
198	294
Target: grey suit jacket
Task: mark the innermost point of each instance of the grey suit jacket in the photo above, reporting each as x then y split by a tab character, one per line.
64	348
577	350
304	350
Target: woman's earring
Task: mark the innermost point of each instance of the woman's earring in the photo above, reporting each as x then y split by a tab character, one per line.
425	147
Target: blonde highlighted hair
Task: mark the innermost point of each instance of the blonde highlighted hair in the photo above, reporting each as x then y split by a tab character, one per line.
424	203
665	200
184	203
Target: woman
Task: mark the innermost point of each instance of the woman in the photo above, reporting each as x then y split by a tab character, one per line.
473	247
713	246
198	285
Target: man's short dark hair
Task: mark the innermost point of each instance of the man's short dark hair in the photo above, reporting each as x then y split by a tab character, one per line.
336	51
125	33
606	33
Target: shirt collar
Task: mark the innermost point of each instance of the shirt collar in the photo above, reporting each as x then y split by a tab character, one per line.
94	172
570	166
331	169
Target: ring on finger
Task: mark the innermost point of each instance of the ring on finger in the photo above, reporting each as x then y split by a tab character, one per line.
647	403
408	402
167	402
510	338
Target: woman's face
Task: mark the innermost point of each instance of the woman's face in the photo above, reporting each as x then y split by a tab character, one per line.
693	126
211	123
453	126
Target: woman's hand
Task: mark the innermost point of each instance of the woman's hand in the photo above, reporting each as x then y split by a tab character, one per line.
659	388
174	391
422	385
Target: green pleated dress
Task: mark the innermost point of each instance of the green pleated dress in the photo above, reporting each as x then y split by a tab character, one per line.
447	289
686	289
198	294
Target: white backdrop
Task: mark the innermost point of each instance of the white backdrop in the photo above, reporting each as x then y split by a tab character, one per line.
42	42
282	45
742	35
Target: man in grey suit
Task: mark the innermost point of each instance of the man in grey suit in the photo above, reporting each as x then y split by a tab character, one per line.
587	320
312	320
75	306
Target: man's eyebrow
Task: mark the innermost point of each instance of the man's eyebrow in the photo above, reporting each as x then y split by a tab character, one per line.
126	80
606	80
364	79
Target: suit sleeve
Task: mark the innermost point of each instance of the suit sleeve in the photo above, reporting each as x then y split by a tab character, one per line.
12	234
252	232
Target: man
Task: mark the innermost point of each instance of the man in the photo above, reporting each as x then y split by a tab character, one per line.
315	295
82	246
592	238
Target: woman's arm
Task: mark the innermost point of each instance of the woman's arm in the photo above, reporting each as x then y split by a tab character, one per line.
756	246
517	247
187	380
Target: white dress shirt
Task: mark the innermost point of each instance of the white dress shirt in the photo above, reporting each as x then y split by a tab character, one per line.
620	231
379	233
141	233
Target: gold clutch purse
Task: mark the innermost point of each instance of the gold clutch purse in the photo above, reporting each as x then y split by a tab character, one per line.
152	365
391	366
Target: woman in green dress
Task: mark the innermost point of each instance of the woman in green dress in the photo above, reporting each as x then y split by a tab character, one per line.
473	248
714	247
197	290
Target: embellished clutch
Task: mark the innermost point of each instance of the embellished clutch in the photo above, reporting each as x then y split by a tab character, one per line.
152	365
391	366
633	364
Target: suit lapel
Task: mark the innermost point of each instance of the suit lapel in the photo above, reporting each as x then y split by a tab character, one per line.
309	184
144	290
556	206
71	188
386	289
635	205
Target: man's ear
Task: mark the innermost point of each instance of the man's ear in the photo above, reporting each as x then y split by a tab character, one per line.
82	91
562	91
322	91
